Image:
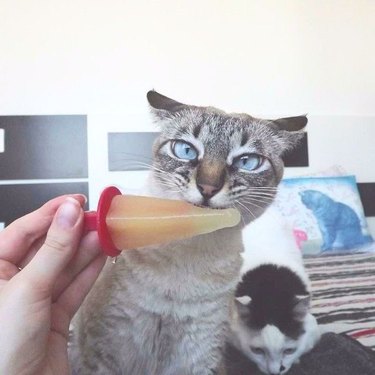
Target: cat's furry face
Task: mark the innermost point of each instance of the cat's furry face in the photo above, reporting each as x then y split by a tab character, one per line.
272	350
210	158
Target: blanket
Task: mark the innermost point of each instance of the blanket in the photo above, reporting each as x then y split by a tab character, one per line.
343	294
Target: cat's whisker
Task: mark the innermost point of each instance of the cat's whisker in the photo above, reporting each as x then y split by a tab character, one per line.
134	162
260	194
170	181
158	170
256	205
271	188
162	173
132	154
256	197
235	205
171	184
171	187
167	181
242	220
262	197
246	208
254	194
154	168
264	193
255	202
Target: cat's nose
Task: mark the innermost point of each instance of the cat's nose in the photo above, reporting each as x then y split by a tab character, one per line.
208	191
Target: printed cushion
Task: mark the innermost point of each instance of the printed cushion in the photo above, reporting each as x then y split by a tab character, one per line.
326	213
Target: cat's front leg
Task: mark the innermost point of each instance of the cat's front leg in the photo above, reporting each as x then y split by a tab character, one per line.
329	235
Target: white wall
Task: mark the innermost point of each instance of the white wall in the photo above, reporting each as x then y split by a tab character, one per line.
261	56
265	57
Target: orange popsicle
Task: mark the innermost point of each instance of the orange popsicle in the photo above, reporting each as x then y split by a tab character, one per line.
128	222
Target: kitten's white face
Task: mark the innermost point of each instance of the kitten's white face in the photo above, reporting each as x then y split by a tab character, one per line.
270	349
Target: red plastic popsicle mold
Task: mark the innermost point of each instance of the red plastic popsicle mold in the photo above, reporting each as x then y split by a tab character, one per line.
96	220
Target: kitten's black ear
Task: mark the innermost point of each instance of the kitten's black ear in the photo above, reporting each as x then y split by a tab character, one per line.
242	305
291	124
244	300
301	306
161	102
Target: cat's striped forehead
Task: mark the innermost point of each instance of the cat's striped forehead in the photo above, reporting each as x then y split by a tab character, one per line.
220	132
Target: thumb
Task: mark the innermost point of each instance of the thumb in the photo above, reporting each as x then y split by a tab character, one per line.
61	243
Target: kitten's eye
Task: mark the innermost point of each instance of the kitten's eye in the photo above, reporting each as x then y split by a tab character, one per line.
184	150
257	350
290	351
248	162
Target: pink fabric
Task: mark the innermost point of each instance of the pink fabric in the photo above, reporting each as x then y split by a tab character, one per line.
300	236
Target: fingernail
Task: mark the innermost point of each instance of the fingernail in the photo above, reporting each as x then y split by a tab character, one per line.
68	213
80	197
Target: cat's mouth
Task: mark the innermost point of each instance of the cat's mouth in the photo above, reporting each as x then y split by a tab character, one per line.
207	204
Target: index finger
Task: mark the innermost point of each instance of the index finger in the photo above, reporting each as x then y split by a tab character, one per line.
19	236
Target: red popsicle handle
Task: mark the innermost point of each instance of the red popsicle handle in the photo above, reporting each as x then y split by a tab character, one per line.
97	221
90	222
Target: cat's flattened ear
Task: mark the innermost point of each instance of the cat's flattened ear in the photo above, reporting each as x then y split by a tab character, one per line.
301	306
161	102
289	131
291	124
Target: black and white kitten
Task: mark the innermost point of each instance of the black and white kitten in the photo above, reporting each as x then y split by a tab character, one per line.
271	323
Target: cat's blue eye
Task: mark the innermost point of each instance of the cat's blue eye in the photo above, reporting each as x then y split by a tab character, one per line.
184	150
248	162
290	351
257	350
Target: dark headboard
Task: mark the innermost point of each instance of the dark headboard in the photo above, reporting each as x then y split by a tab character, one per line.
367	193
41	157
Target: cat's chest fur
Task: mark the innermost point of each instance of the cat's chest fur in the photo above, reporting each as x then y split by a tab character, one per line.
164	306
172	278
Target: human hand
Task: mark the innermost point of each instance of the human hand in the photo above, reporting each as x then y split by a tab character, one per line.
47	267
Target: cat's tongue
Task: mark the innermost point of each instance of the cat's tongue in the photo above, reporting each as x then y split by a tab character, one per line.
128	221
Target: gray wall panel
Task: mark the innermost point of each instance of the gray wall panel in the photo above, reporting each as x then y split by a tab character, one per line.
18	200
43	147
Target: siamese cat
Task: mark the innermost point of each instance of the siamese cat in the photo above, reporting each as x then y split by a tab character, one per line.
164	310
